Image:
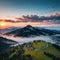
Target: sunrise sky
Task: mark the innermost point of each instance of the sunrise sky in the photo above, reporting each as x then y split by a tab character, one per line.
34	12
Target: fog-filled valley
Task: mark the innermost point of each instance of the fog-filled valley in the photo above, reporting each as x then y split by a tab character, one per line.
28	41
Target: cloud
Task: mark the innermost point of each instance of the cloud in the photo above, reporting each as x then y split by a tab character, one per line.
6	20
53	18
55	14
32	18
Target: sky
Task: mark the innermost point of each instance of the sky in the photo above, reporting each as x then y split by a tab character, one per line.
16	8
24	9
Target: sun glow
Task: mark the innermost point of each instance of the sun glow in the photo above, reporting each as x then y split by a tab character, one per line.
2	24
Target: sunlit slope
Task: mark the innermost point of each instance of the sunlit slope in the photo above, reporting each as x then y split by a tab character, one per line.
37	50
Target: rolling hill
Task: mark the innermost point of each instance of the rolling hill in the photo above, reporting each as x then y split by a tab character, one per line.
36	50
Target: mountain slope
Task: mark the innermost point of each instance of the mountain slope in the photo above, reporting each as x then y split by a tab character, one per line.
37	50
31	31
5	43
2	31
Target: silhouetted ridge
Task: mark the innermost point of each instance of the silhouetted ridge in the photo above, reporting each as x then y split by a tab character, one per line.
5	44
28	26
8	41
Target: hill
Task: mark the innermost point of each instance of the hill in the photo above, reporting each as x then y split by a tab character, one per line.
5	44
36	50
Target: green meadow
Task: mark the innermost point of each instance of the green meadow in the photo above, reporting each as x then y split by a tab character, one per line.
36	50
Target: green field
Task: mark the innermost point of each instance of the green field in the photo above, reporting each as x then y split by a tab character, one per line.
36	50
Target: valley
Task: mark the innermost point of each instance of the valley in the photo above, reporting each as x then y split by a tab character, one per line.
30	43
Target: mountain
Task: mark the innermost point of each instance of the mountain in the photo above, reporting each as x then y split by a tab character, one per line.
32	31
5	43
56	38
2	31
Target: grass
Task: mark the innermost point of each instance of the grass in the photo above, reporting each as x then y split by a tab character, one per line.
34	49
39	54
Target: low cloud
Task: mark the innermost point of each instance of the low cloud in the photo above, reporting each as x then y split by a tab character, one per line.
12	21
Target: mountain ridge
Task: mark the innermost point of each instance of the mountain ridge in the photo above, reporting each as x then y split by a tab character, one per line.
32	31
5	43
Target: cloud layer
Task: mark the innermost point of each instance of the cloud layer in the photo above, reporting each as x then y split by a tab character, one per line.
53	18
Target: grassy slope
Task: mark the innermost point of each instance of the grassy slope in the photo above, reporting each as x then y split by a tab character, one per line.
40	48
35	49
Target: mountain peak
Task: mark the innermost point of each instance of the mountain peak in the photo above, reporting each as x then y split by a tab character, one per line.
28	26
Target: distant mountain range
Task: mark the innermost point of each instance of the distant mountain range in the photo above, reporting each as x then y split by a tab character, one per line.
8	30
32	31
